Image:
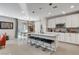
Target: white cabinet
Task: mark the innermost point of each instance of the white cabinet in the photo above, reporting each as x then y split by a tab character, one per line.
72	20
51	23
73	38
37	26
77	38
68	21
60	20
75	20
67	37
61	37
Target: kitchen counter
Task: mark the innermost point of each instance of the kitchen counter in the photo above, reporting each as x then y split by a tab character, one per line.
44	34
47	36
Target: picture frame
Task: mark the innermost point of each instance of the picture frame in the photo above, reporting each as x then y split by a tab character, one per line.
6	25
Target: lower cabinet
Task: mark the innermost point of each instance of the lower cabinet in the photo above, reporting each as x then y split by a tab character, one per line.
69	37
77	39
73	38
61	37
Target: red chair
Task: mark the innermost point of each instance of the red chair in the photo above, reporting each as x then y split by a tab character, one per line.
3	40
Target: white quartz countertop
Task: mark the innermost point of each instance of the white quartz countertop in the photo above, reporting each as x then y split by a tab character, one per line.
44	34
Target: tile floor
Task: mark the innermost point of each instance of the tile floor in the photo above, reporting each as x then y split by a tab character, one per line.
20	47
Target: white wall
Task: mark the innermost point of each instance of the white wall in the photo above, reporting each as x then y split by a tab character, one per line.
10	32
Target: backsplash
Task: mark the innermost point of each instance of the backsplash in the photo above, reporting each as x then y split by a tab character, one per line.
64	30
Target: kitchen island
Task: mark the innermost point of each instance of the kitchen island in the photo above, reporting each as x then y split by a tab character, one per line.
45	40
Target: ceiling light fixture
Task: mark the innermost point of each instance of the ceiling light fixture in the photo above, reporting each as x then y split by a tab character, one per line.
50	4
63	12
72	6
49	13
23	12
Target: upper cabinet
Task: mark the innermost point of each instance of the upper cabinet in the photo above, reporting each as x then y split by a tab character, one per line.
51	23
72	20
69	21
75	20
37	26
60	20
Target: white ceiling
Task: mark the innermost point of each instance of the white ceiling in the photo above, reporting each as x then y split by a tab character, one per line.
24	10
10	9
46	9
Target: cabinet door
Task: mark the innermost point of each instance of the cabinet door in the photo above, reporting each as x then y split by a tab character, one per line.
67	37
60	20
37	27
75	20
61	37
72	20
68	21
73	38
77	38
51	23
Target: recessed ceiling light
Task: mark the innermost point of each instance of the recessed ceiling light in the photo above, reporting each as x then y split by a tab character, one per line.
63	12
49	13
72	6
23	12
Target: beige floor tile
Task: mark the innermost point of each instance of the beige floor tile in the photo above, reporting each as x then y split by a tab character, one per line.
20	47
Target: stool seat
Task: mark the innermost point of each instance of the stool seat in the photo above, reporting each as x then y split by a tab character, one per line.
47	40
42	39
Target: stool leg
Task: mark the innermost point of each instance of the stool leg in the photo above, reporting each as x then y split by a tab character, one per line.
36	44
52	50
44	48
32	42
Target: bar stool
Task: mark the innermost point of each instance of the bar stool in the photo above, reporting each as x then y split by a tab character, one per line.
39	42
48	44
44	44
31	38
